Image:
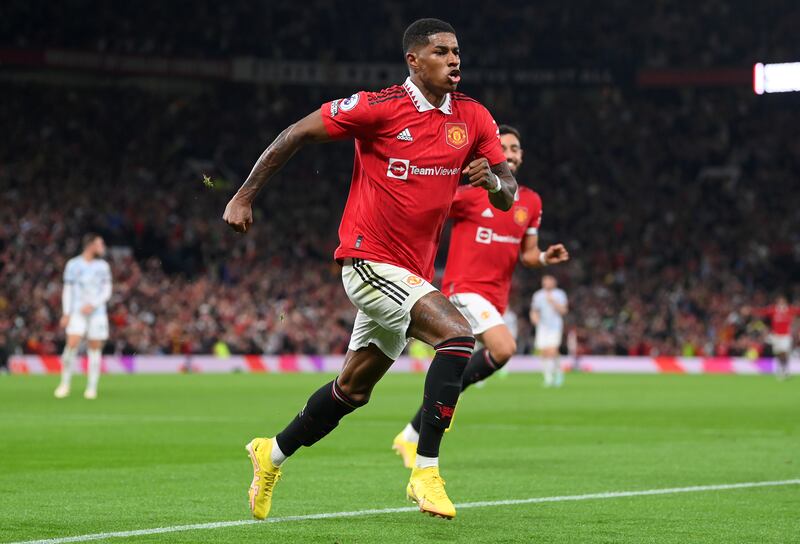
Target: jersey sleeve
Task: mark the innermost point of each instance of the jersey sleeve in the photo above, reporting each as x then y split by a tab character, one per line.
535	220
66	291
488	138
351	117
69	273
763	312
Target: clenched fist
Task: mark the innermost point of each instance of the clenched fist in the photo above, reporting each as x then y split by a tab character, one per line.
238	214
556	254
480	174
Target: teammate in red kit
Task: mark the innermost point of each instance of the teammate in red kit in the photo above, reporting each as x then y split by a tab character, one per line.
413	142
485	245
781	315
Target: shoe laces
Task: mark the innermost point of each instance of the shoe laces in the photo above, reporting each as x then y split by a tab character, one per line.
270	478
434	485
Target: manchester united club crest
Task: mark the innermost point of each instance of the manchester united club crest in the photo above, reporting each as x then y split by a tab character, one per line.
456	134
521	215
413	281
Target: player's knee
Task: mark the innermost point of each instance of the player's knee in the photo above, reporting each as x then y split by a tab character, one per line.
358	394
505	351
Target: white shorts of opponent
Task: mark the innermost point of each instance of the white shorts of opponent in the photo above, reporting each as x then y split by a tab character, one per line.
547	338
384	295
93	326
479	312
781	343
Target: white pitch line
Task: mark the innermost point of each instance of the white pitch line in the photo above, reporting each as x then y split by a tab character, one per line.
378	511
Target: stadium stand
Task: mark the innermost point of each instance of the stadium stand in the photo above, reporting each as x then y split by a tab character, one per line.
678	206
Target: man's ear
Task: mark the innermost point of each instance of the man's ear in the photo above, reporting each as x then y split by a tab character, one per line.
412	61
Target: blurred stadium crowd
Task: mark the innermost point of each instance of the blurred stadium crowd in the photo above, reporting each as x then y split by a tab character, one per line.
575	33
679	208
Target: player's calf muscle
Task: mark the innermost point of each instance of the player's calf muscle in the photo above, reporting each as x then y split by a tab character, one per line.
362	370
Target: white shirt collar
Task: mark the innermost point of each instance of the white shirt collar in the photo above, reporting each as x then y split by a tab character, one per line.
421	102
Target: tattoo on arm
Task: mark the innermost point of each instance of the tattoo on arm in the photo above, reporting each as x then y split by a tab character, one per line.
271	160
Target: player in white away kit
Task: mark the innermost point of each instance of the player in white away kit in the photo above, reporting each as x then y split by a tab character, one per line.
548	308
87	288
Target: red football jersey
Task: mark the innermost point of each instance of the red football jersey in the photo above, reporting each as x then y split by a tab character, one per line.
780	318
485	243
408	161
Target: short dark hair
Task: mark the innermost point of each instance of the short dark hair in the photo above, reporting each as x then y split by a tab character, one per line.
508	129
417	32
88	238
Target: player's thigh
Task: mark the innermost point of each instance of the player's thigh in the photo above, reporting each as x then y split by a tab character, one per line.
368	333
547	342
362	369
434	319
781	343
385	296
77	326
73	341
97	330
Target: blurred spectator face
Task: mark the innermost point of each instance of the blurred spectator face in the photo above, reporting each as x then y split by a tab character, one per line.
549	282
438	63
782	302
512	150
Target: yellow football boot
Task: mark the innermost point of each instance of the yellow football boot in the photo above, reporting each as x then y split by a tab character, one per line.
265	476
426	488
405	449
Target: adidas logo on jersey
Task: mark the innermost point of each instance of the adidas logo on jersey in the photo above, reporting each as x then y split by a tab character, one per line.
487	213
405	135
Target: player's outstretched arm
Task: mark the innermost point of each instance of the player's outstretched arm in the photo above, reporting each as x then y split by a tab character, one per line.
310	129
497	179
532	257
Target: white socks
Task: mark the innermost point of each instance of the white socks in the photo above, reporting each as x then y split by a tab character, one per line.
553	375
67	365
410	435
425	462
276	456
93	370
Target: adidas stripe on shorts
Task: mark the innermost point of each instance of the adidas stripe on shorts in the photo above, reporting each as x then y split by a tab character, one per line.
384	295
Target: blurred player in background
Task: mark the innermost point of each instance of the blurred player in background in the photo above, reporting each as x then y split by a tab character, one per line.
548	308
485	246
87	289
781	315
413	143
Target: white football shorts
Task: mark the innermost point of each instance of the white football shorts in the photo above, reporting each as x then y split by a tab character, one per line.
781	343
479	312
93	327
384	295
547	338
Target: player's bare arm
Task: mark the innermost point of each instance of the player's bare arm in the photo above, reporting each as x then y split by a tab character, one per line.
531	255
310	129
496	179
534	317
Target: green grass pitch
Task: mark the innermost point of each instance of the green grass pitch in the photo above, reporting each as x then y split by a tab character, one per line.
159	451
